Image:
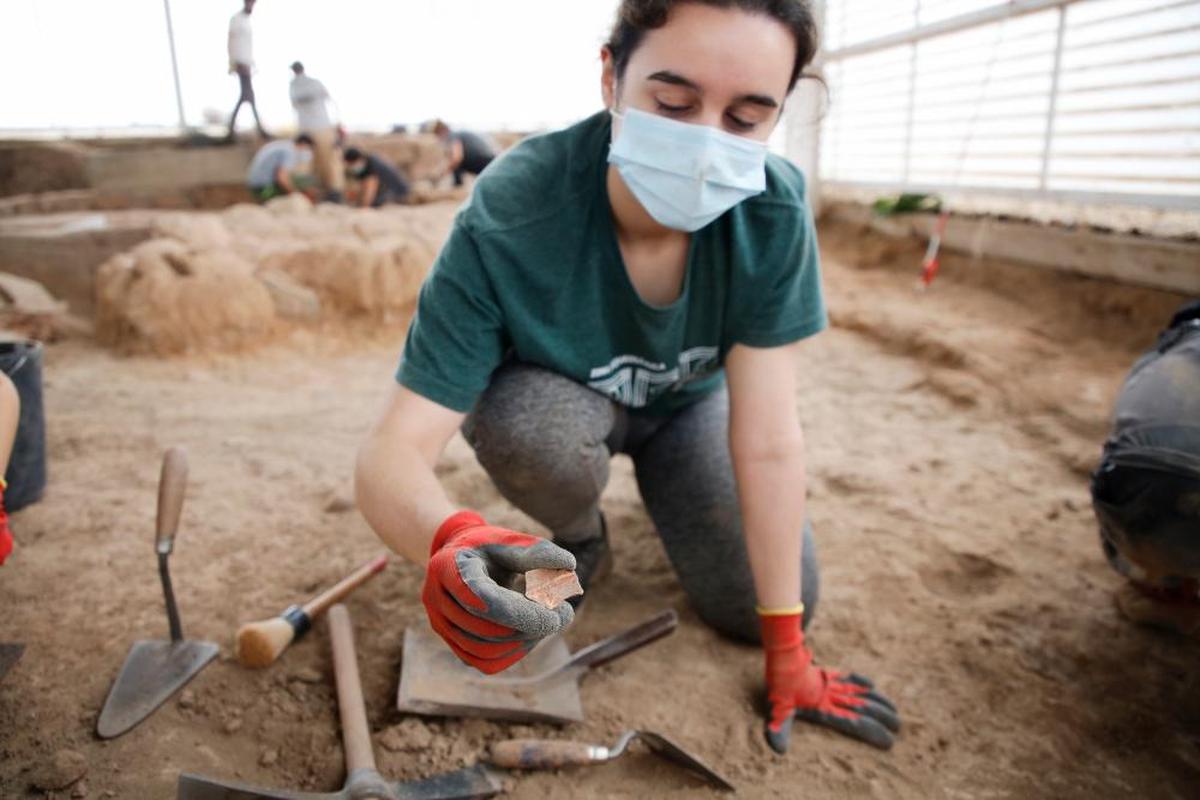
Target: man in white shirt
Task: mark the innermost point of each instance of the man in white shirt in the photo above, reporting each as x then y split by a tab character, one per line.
311	101
241	61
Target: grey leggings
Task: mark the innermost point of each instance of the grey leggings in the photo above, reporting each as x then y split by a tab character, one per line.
546	442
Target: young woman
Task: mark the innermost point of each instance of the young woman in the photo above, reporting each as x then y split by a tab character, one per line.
636	283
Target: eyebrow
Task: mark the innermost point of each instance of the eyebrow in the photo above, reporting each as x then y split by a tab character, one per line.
675	79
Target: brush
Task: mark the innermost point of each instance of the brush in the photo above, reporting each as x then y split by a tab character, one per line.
260	643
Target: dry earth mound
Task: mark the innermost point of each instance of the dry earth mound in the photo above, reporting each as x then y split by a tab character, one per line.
230	279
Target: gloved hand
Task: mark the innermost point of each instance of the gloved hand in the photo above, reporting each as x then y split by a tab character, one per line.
486	625
796	689
6	538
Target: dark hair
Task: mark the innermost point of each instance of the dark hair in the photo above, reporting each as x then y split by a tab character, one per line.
635	17
304	138
352	154
297	67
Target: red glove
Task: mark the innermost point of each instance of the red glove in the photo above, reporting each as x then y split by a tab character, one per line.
796	689
6	537
486	625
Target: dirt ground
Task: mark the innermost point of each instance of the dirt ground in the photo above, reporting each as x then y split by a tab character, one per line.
950	432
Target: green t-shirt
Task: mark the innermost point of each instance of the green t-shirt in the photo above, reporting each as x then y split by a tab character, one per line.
532	271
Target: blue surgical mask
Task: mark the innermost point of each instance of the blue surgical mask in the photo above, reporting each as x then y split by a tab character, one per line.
685	175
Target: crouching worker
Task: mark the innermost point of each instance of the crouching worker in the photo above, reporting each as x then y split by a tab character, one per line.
270	173
636	283
379	182
1146	492
467	152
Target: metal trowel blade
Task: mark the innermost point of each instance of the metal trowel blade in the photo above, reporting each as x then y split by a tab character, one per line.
153	671
464	784
193	787
671	751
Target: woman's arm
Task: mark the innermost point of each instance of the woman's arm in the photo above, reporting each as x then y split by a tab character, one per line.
283	179
767	445
487	625
397	490
10	417
768	459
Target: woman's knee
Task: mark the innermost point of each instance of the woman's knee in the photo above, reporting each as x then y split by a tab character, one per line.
534	427
737	621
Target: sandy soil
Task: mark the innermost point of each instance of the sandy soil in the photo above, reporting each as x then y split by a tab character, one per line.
949	436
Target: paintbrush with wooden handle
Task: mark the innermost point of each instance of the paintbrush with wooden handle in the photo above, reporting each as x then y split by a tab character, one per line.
260	643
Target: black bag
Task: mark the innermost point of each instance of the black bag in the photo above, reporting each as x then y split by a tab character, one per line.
1146	491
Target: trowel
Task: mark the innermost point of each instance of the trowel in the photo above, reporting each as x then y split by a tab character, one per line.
558	753
10	654
542	687
155	670
362	779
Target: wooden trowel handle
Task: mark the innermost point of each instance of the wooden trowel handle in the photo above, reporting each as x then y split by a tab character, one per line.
356	736
171	485
616	646
313	608
545	754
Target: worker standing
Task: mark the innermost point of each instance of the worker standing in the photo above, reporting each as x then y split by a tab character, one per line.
241	62
311	100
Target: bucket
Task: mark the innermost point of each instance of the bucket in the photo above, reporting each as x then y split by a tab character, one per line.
26	473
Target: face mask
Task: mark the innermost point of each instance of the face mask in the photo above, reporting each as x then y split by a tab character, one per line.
685	175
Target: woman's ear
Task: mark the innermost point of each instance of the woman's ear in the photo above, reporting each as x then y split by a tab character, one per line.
608	78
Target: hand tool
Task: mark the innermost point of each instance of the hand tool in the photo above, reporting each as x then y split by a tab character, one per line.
362	779
155	670
258	644
554	754
543	687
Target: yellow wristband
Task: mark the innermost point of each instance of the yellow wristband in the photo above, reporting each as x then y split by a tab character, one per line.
3	483
780	612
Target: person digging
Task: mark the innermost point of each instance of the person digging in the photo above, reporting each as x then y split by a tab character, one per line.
380	183
270	173
467	152
1146	491
636	283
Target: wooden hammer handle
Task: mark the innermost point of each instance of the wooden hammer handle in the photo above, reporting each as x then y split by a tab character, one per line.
171	485
356	736
545	754
345	586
